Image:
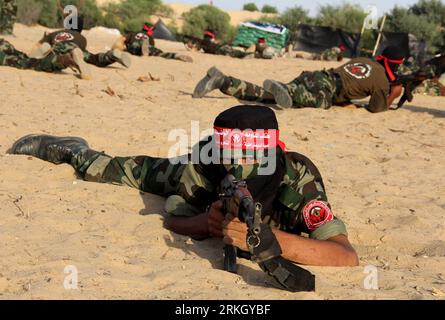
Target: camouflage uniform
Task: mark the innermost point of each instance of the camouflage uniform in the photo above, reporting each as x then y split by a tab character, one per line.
9	56
226	50
100	60
191	188
134	42
332	54
310	89
8	16
431	87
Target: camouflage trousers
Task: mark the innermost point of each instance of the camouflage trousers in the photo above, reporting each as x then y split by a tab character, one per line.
100	60
227	50
8	16
431	87
309	90
135	48
9	56
149	174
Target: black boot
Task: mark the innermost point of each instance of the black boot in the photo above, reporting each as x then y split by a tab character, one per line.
280	93
50	148
214	79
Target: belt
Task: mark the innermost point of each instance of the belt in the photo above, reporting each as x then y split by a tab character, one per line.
338	83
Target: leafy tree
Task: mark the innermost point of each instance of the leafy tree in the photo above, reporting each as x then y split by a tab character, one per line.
269	9
204	17
292	17
348	17
422	26
250	7
29	11
130	15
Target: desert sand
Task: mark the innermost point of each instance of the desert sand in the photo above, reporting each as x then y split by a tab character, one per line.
384	175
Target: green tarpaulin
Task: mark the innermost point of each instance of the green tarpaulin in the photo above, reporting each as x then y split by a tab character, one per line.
249	32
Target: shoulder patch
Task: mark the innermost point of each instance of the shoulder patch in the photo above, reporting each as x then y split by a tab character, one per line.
316	213
358	70
63	37
140	36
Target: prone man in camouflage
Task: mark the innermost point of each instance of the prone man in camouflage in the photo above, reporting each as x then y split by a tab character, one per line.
142	43
331	54
210	45
292	192
8	16
60	56
73	35
357	79
431	87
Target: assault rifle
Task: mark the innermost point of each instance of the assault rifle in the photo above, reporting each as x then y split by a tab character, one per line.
198	44
431	69
261	241
410	82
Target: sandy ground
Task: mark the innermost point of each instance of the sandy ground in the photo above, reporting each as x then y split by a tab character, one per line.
384	175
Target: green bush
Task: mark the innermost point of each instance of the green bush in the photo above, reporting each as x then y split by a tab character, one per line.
130	15
250	7
49	16
292	17
422	26
348	17
28	11
269	9
205	17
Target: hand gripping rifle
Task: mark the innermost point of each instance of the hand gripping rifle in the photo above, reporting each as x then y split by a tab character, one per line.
261	241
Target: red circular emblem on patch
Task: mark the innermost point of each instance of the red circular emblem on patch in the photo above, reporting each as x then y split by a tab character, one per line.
316	213
63	37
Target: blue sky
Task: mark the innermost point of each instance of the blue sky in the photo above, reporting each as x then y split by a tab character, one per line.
311	5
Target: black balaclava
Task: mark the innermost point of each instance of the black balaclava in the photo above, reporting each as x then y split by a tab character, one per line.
391	58
234	129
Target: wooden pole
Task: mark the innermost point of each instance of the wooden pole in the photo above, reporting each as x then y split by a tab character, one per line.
379	37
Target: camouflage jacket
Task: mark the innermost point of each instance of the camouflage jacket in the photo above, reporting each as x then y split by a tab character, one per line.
300	204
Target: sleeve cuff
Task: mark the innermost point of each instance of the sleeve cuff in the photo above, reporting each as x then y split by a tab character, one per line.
328	230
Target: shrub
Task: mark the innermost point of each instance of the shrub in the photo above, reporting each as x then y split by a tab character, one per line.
130	15
29	11
269	9
250	7
348	17
204	17
292	17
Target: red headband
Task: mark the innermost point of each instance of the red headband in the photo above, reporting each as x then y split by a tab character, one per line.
149	30
261	139
261	40
386	61
210	34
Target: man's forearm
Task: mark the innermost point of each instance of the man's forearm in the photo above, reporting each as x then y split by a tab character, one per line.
333	252
188	226
396	91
